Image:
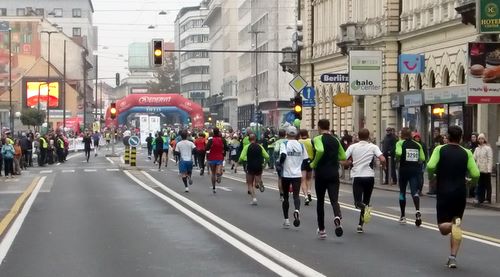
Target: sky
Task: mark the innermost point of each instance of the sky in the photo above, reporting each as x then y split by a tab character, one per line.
122	22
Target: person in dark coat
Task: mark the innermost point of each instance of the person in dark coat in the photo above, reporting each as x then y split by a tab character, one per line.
388	149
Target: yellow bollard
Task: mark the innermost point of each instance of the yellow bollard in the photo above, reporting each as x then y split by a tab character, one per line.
133	157
127	155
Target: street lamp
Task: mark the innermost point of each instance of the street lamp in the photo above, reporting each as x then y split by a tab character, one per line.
49	33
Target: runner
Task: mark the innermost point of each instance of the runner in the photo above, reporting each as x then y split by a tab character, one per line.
149	144
450	163
108	141
158	142
253	155
410	155
87	142
279	169
306	167
184	148
234	146
217	147
96	137
292	156
200	153
166	143
362	154
328	153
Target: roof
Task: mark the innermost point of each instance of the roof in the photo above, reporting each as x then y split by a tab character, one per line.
184	10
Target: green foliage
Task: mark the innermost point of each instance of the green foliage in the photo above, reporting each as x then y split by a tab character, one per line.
167	78
32	117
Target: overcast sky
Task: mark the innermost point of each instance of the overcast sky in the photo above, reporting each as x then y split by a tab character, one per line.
122	22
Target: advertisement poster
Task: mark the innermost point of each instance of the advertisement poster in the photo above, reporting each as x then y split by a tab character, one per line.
144	127
365	72
488	16
483	80
39	90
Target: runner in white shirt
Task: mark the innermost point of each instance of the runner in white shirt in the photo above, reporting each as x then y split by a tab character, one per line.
292	154
362	155
185	150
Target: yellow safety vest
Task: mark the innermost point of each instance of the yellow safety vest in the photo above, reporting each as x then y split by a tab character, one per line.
44	143
9	141
61	143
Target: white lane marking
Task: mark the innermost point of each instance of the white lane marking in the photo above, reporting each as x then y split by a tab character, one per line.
68	171
112	169
284	259
110	160
73	156
273	266
58	164
389	217
90	170
6	243
46	171
225	189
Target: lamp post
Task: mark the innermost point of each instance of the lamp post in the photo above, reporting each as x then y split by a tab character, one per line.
256	34
49	33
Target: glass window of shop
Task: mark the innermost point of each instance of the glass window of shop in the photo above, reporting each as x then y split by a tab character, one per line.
445	115
412	118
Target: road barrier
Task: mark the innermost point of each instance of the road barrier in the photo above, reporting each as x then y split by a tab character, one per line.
133	156
127	154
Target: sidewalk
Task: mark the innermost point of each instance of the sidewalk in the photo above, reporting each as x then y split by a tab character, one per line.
379	185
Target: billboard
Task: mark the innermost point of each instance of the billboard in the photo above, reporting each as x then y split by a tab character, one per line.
411	63
488	16
365	72
483	80
36	91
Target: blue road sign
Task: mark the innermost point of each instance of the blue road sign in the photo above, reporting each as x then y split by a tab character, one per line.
309	93
308	103
134	141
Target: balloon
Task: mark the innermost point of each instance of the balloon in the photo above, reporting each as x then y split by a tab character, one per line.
296	123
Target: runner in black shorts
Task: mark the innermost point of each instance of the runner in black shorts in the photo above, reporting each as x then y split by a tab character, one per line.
254	155
450	163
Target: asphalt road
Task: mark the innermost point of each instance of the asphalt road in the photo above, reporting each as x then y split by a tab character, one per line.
102	219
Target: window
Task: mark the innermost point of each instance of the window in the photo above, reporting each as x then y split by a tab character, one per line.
446	77
406	83
77	32
418	82
432	80
461	75
58	12
20	12
77	12
3	12
445	10
40	12
431	15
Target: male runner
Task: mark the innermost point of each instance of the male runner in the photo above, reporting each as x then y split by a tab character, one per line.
362	154
254	156
328	153
279	169
96	137
149	144
292	155
87	143
306	167
450	163
166	144
158	142
410	155
217	147
184	148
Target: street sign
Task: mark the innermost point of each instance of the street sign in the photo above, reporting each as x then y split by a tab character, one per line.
298	83
309	93
134	141
308	103
335	78
488	16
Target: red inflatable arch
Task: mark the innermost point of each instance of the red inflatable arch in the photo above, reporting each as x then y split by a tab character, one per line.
194	110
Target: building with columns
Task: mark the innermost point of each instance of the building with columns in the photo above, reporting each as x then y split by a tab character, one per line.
432	28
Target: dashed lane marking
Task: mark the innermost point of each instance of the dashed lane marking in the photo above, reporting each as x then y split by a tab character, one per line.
112	169
46	171
90	170
68	170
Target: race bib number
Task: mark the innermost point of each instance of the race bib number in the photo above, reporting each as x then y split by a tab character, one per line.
412	155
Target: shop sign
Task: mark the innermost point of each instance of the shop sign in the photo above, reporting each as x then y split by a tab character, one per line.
334	78
413	100
411	63
453	94
483	80
342	100
365	72
488	16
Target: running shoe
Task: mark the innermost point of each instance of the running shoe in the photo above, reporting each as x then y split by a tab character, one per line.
452	262
219	178
190	181
249	193
456	230
286	223
367	215
282	198
214	190
261	186
296	218
186	189
235	170
402	220
321	234
309	197
418	219
338	227
254	202
359	230
306	201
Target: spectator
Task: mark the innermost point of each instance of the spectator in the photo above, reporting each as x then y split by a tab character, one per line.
484	159
388	149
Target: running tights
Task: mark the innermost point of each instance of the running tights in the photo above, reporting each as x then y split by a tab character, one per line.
295	183
322	186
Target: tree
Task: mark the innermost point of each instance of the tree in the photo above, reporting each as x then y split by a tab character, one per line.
167	78
32	117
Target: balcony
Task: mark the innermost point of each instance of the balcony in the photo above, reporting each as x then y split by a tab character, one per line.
467	8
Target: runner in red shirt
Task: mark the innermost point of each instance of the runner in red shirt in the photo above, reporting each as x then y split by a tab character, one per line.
217	147
201	143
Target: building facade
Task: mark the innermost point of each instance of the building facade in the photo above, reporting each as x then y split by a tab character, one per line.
434	98
193	67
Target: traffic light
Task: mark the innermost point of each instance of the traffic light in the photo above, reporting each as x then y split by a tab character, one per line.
117	79
298	37
258	117
112	110
157	52
297	107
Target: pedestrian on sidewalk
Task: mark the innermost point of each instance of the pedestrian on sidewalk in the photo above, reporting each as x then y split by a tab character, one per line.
388	148
329	152
363	154
8	153
483	155
18	157
450	163
292	156
410	155
472	145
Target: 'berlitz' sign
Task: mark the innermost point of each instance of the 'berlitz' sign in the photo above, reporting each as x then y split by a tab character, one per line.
335	78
